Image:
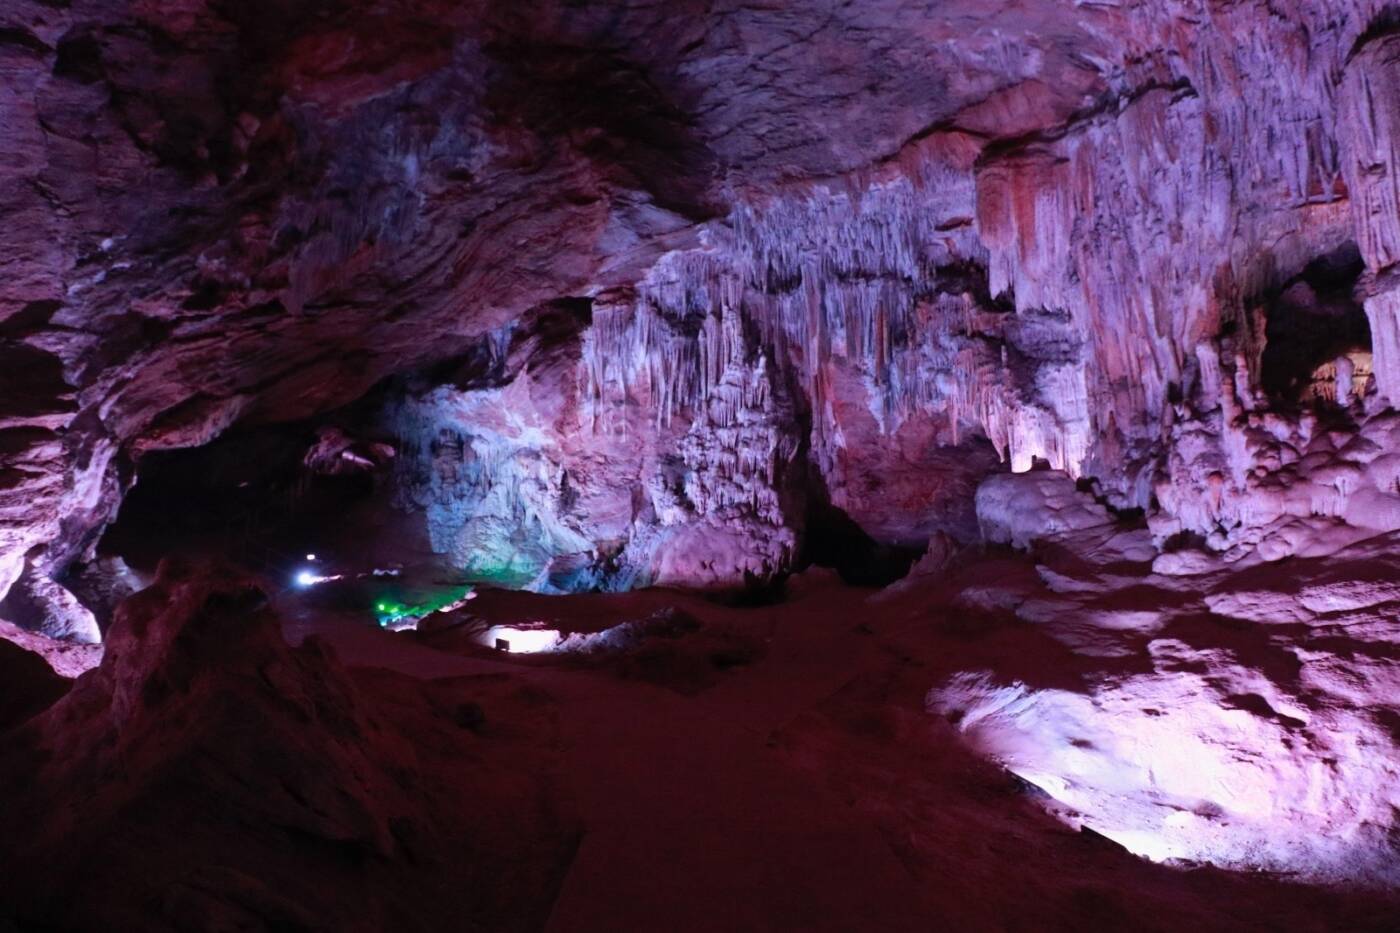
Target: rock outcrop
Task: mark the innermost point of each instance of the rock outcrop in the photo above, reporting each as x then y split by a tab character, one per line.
1019	509
208	776
1242	717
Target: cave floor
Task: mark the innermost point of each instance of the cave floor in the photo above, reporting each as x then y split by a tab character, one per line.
808	788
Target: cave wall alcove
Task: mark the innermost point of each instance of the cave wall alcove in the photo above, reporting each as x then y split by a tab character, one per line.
1316	320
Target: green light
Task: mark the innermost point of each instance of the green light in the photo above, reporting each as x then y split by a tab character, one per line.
390	612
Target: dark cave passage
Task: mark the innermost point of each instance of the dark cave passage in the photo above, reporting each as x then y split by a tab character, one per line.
1315	321
832	539
248	495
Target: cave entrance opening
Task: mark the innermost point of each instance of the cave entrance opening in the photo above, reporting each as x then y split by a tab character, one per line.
1318	340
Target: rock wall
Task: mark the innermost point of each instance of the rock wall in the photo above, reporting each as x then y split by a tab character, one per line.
570	472
1369	94
864	237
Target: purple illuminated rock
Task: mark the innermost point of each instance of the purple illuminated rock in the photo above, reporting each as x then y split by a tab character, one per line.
1027	229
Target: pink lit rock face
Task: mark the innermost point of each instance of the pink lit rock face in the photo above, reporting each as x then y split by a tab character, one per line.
1022	508
1211	713
66	658
1271	486
1240	719
564	472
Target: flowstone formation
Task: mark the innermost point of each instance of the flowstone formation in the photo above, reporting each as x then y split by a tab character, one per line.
538	468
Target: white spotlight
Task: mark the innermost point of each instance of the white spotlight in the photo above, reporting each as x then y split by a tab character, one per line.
305	578
521	640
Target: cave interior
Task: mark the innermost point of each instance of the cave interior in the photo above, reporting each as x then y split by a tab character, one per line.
607	465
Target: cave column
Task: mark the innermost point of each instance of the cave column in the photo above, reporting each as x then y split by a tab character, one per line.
1369	131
